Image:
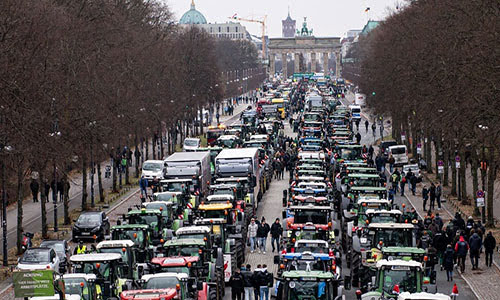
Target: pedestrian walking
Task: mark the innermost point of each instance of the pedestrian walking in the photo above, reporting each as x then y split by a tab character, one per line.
276	232
425	196
247	282
252	234
143	185
264	279
155	185
403	184
237	284
475	244
357	124
489	246
255	282
391	162
262	232
358	138
461	249
439	221
34	189
366	126
47	190
413	184
439	191
432	193
448	262
374	129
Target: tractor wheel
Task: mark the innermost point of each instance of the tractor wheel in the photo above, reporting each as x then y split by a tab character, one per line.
213	294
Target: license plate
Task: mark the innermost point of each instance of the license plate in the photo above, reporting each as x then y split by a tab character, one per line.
85	233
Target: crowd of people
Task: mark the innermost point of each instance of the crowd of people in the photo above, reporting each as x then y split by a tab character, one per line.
249	285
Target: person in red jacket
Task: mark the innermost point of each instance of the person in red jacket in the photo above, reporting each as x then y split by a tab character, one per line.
461	249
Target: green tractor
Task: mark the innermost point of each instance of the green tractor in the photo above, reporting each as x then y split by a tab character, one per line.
139	235
129	266
154	218
308	285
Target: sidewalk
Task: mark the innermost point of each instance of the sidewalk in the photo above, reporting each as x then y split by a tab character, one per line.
31	210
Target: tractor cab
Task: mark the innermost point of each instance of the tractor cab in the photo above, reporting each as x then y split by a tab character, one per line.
139	235
308	285
126	249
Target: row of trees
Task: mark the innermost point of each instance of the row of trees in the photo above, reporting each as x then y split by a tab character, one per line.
81	79
433	67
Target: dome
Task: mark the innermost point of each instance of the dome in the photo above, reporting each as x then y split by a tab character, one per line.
193	16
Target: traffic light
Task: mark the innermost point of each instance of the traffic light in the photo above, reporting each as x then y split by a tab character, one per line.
373	93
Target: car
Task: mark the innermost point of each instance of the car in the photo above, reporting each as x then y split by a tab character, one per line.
191	144
39	258
384	145
91	225
62	250
152	169
400	154
414	169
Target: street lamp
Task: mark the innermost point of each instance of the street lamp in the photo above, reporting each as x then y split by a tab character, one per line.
55	133
92	125
4	148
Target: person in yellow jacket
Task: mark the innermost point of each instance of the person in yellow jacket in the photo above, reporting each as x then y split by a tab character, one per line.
80	249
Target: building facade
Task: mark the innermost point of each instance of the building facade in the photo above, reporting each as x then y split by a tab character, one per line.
288	27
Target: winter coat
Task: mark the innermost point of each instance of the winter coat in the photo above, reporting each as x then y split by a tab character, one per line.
247	278
276	230
252	230
425	193
34	186
262	278
263	230
475	243
439	222
461	247
439	191
489	243
236	281
439	242
448	259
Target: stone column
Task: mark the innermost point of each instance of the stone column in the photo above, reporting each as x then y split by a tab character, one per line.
313	62
337	64
284	64
297	62
325	63
272	66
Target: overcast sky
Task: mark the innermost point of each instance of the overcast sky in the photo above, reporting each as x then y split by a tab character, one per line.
326	17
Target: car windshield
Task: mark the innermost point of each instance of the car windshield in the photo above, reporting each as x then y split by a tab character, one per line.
150	166
58	247
191	142
350	154
398	150
307	290
89	219
403	276
393	238
161	283
306	216
73	286
35	256
183	251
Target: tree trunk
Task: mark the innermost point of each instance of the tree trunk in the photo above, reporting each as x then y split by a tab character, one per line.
461	177
84	183
137	158
447	161
99	183
127	164
114	168
67	221
492	172
437	155
19	209
146	144
453	180
475	180
43	200
428	156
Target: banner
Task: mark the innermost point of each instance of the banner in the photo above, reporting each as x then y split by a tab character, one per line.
33	283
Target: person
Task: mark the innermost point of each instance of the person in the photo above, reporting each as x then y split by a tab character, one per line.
448	262
439	221
155	185
402	183
370	151
47	190
475	244
262	233
489	245
425	195
432	193
358	138
237	284
80	249
357	124
247	282
34	189
252	234
413	184
264	279
276	232
60	189
439	191
374	129
439	242
143	185
391	162
461	249
255	282
366	126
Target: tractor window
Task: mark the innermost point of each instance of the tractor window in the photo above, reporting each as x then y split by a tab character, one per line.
307	290
393	238
406	278
124	255
315	217
184	270
183	251
161	283
135	236
350	154
143	219
72	286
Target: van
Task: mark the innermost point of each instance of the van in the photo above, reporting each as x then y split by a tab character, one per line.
355	112
191	144
360	99
152	169
400	154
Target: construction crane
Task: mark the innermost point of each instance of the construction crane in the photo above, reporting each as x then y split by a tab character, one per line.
262	22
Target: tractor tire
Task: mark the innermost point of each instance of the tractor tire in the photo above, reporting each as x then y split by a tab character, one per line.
213	294
219	259
355	270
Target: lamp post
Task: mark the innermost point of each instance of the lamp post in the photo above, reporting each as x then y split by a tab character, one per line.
4	212
55	133
92	164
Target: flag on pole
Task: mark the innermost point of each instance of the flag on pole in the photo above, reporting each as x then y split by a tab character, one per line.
234	16
367	9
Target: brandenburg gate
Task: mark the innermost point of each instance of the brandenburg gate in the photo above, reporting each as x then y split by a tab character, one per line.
302	44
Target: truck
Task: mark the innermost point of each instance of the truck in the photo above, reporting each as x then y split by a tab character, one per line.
193	165
242	162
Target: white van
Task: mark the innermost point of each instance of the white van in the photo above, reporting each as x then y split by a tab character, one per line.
400	154
191	144
360	99
355	112
153	168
